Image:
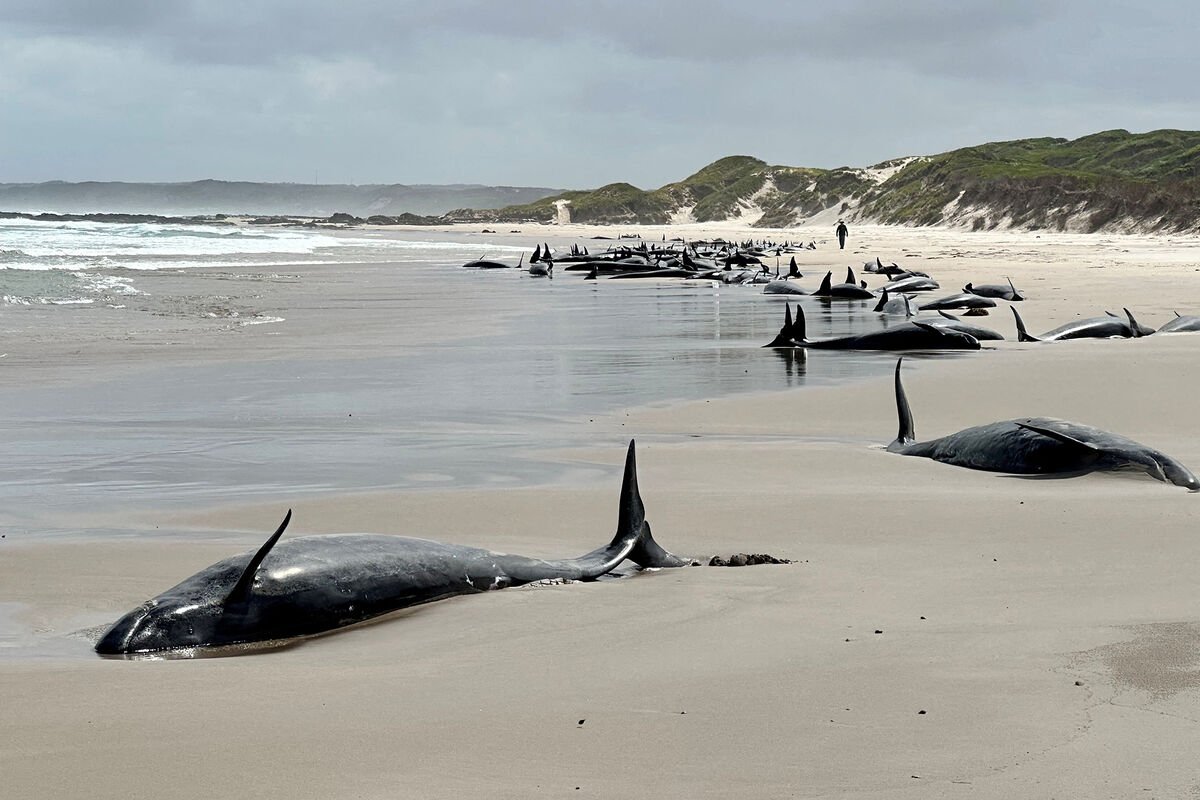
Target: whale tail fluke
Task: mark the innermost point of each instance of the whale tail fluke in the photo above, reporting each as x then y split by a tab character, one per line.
905	435
1022	334
632	522
633	540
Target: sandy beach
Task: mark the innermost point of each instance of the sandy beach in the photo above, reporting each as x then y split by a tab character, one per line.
943	633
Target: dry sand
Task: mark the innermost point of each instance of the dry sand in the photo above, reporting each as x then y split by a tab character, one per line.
945	632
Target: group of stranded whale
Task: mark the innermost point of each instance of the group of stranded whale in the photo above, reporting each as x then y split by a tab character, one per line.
289	589
311	585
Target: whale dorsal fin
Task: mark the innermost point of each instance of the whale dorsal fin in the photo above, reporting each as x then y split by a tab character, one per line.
799	326
823	289
883	298
784	337
241	590
1134	328
1016	294
905	434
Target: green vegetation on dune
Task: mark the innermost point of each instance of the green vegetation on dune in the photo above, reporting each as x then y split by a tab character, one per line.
1113	178
715	191
621	202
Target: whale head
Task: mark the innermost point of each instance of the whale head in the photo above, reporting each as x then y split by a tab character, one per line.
1178	474
167	623
202	611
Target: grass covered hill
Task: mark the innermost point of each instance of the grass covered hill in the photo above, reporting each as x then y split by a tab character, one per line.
1113	180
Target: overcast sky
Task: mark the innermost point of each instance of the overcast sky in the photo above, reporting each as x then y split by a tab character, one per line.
572	93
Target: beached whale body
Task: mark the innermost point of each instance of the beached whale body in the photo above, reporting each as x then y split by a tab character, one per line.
900	305
996	290
906	336
314	584
1106	327
944	320
1182	324
843	291
1037	446
961	300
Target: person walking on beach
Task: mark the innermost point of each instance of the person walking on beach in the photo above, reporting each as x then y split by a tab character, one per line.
842	232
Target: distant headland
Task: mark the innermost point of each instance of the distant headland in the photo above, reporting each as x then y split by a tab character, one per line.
1114	181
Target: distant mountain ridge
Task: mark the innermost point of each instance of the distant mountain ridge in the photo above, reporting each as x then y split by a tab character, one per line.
243	197
1110	181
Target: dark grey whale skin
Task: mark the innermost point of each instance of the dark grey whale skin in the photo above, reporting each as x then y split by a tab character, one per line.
944	320
842	291
1105	327
907	336
313	584
1037	446
996	290
1181	324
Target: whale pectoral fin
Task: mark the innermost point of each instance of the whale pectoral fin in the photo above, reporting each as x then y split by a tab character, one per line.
1059	436
935	329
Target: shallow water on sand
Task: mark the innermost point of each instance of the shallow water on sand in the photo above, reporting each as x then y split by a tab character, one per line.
469	411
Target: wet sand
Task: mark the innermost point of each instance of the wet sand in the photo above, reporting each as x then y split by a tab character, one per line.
1048	629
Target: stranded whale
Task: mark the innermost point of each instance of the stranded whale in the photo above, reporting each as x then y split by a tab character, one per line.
906	336
1107	327
1037	446
313	584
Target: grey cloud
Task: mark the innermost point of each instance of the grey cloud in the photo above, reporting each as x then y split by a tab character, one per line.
554	94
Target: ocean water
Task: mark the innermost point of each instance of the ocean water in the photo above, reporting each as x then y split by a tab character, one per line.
371	405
